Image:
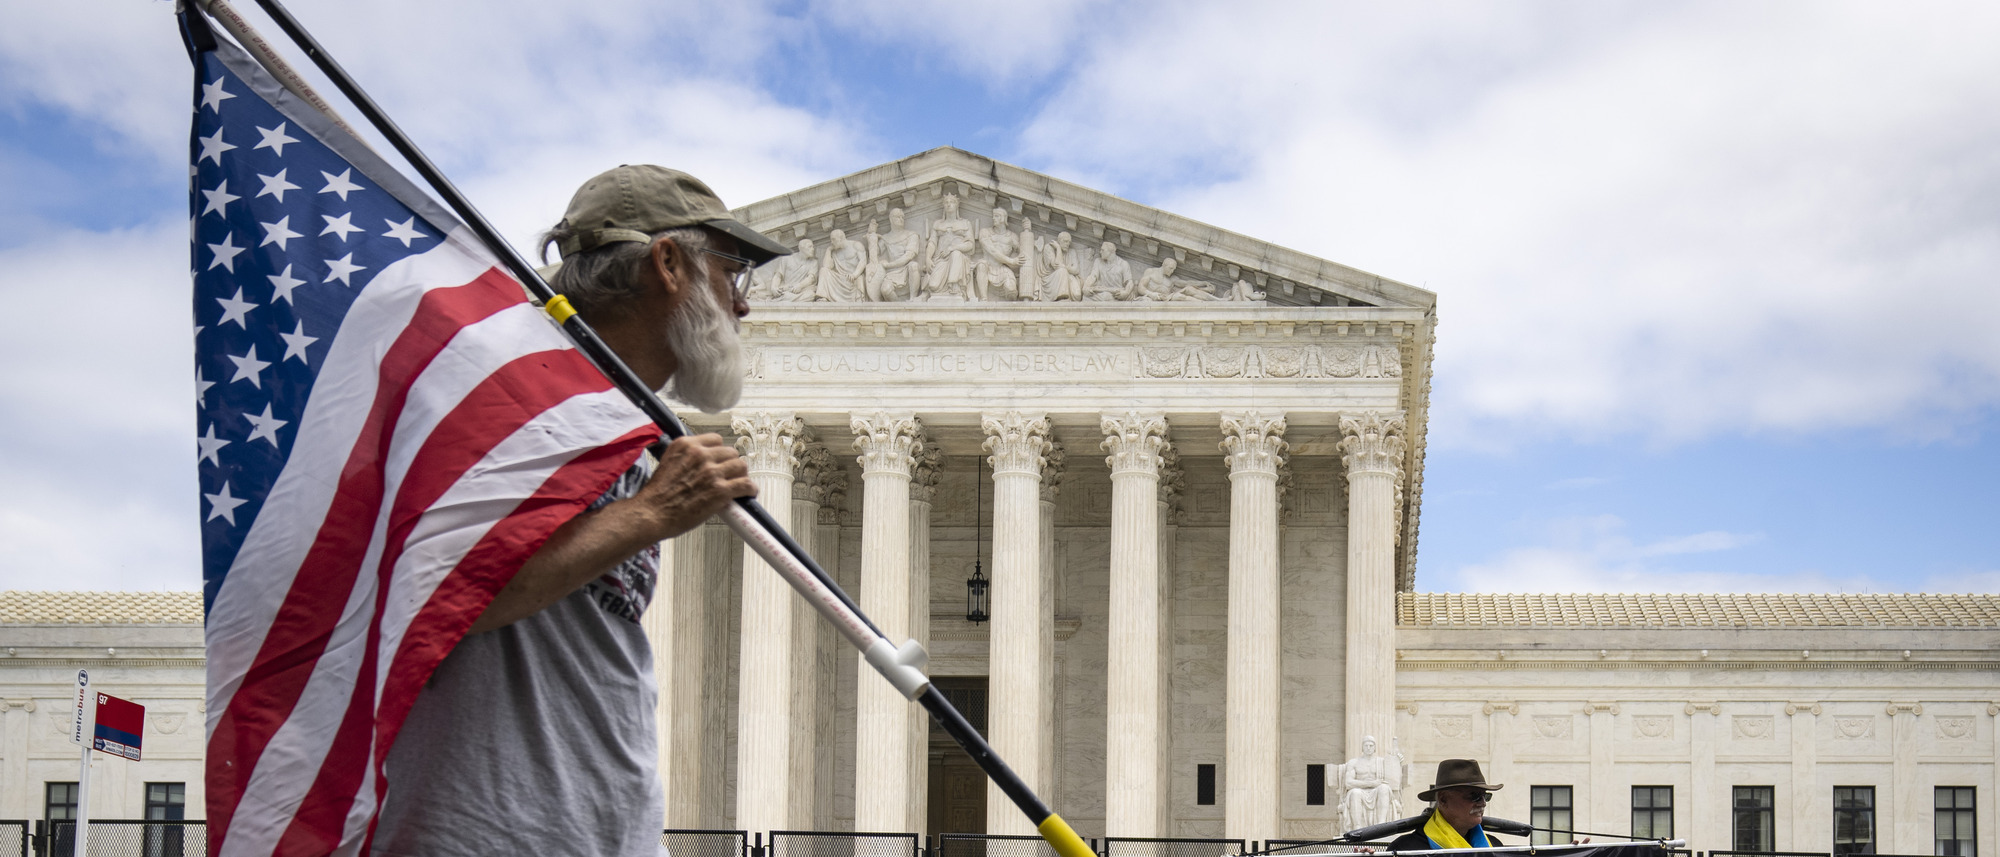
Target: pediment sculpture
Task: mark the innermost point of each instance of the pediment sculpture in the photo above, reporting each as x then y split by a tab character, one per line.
952	258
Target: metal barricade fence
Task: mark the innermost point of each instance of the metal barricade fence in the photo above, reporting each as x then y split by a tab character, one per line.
14	838
819	843
688	842
1309	846
995	845
1129	846
127	838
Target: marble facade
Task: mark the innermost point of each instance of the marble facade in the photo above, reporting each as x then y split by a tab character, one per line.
1192	464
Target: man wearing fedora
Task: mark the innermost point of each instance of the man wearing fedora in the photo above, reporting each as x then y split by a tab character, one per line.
1460	792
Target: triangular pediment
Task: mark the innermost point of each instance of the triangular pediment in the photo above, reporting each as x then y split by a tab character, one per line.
1208	264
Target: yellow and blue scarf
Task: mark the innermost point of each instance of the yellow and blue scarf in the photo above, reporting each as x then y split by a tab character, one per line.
1442	835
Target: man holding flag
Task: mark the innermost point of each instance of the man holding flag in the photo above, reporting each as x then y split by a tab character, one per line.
424	512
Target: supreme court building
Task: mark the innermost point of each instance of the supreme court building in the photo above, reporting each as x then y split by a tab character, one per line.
1190	464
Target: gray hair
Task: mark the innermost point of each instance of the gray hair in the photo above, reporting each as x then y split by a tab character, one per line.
595	281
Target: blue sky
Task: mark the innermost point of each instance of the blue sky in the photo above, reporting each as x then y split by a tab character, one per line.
1718	283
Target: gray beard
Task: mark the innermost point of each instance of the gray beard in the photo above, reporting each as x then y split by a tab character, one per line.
704	340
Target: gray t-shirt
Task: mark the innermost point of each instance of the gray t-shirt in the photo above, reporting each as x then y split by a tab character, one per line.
539	737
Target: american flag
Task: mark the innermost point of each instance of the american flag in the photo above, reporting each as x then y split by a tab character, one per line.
387	430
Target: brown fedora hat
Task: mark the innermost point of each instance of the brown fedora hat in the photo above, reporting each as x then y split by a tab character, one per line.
1456	773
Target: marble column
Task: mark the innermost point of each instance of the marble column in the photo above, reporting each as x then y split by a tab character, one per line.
17	802
1017	445
688	624
1255	450
888	444
770	442
832	652
1372	449
1908	810
1133	789
923	491
1601	805
1052	478
1708	807
810	685
1811	829
1167	507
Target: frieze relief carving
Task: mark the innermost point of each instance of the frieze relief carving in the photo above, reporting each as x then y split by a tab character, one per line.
1451	725
1955	728
996	257
1750	727
1555	728
1654	727
1853	728
166	722
1266	361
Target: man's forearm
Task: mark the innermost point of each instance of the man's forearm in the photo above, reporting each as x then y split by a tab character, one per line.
577	553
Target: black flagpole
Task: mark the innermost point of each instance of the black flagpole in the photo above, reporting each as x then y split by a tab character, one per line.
901	666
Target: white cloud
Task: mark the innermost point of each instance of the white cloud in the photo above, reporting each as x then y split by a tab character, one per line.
1673	221
1969	581
1001	41
1595	554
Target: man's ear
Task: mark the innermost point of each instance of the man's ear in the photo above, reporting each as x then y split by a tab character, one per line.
666	260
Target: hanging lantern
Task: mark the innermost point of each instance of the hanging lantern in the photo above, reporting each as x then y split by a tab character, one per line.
975	596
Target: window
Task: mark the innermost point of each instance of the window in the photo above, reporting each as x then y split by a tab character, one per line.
59	801
1549	807
1204	785
1955	830
1315	785
1853	819
1652	812
165	802
1750	819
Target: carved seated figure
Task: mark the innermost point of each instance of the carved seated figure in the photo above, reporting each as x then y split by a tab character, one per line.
1245	292
993	275
1371	787
1061	266
949	251
1110	277
790	278
840	277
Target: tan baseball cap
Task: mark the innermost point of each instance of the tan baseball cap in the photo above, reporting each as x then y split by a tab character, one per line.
632	202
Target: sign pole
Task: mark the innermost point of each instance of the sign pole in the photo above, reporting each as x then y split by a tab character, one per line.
79	735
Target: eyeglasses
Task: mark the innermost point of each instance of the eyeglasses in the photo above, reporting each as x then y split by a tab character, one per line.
1471	796
739	279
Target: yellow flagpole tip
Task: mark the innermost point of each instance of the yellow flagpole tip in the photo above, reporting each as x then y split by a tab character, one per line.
1065	840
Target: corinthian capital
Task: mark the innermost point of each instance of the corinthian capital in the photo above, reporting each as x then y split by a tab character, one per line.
924	479
1254	442
770	441
1016	442
1135	441
887	442
1373	443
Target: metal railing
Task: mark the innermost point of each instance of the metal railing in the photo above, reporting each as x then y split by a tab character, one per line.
995	845
821	843
692	842
1318	846
127	838
1770	854
1132	846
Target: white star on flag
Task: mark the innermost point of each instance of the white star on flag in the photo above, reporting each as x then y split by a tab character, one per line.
342	224
296	342
233	309
404	231
225	253
274	139
248	367
212	95
339	184
278	233
219	199
223	506
210	445
213	147
201	386
276	185
284	284
342	268
265	426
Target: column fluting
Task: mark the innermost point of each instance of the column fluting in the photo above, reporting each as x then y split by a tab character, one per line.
1372	450
1017	445
1133	790
1255	450
888	444
770	442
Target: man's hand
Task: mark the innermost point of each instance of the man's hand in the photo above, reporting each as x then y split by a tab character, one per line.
697	476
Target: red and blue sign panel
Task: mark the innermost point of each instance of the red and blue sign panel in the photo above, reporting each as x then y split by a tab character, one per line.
121	725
